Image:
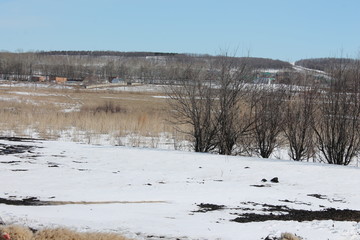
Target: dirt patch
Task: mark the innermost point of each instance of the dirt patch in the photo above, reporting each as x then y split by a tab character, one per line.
19	139
6	149
295	202
11	162
59	156
270	212
302	215
33	201
324	197
260	185
284	213
54	166
208	207
318	196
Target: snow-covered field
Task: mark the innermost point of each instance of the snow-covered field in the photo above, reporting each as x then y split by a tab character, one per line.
157	194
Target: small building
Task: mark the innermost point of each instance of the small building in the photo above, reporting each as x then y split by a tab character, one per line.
38	78
265	78
59	79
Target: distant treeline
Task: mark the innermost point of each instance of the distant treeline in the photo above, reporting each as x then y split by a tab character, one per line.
263	63
102	65
323	64
108	53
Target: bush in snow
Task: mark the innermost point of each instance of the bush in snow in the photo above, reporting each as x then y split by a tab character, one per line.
23	233
289	236
15	232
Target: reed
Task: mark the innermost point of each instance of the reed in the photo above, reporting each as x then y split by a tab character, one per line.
50	113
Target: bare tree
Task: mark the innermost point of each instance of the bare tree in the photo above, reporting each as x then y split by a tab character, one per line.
298	124
208	99
338	120
192	103
231	77
268	119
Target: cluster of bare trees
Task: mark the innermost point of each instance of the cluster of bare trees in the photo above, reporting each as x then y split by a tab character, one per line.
338	122
145	67
214	101
323	64
207	99
139	66
224	114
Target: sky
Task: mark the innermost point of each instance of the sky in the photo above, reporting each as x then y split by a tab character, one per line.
278	29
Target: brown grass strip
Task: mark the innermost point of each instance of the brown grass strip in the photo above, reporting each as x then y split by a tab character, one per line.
14	232
36	202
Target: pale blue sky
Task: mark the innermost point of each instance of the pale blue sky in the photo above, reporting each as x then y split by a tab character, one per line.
280	29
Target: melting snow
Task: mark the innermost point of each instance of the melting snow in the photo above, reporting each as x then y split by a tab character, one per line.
178	182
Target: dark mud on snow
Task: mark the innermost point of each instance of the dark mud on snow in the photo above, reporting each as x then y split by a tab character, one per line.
6	149
282	213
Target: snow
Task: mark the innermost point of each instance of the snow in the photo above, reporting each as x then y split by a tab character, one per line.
162	97
171	184
34	85
138	88
33	94
304	69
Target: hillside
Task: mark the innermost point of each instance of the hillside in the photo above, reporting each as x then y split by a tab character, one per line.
105	65
323	64
255	62
106	53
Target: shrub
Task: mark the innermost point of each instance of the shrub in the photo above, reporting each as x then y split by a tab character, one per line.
24	233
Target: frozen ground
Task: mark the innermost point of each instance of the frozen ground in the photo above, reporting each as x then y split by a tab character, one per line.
35	85
161	194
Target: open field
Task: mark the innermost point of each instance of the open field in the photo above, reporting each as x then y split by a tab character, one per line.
50	180
152	194
123	116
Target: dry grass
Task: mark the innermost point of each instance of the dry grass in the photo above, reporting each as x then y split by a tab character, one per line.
289	236
51	112
16	232
24	233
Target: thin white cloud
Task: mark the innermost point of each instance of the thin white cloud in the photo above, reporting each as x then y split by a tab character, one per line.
21	23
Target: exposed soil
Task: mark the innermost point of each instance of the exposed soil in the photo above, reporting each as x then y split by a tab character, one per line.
11	162
319	196
324	197
54	166
295	202
302	215
207	207
6	149
260	185
19	139
283	213
33	201
83	169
